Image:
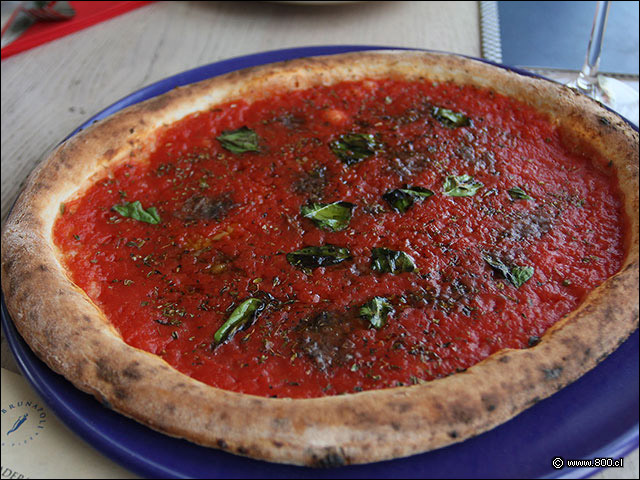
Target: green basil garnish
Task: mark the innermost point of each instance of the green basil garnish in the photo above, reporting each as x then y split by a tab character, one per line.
449	118
461	186
401	199
384	260
241	317
321	256
134	210
329	216
517	193
351	148
376	311
516	275
239	141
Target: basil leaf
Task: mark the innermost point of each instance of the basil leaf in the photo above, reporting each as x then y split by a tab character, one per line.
516	275
351	148
517	193
401	199
449	118
376	311
519	275
241	317
239	141
329	216
461	186
314	257
134	210
384	260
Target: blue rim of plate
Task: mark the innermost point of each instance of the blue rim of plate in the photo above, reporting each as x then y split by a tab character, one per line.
595	417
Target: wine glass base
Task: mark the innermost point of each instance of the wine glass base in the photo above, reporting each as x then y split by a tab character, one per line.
619	97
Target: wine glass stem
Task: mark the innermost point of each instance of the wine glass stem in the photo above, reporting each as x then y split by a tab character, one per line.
587	80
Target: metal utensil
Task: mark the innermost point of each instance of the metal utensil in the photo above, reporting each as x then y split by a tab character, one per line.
28	13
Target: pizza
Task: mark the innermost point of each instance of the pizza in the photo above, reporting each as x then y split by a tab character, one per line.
332	260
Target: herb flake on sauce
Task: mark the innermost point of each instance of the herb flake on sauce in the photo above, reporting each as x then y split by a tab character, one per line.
318	256
241	317
384	260
376	311
352	148
461	186
329	216
517	275
449	118
239	141
518	193
134	210
401	199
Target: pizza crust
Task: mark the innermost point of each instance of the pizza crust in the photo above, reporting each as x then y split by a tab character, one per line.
66	330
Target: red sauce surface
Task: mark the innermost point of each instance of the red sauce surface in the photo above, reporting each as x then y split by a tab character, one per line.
168	288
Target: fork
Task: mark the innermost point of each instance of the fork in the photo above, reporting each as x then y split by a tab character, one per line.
29	13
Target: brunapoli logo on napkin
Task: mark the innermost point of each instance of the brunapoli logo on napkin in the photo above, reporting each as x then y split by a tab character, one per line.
22	422
36	444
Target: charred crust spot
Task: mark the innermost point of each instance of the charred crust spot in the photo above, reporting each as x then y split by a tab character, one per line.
222	444
109	154
396	426
86	318
361	418
533	401
400	407
157	103
504	359
40	186
489	402
453	434
120	393
105	372
604	121
132	371
43	268
279	422
242	451
331	458
277	444
552	373
8	265
462	414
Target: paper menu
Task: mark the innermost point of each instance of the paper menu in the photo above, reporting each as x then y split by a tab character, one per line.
35	444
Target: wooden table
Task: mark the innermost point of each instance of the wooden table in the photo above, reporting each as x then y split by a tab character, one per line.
50	90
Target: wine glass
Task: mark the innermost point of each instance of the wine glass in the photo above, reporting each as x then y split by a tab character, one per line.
610	92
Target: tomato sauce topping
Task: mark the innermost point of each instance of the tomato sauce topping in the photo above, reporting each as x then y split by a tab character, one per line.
360	236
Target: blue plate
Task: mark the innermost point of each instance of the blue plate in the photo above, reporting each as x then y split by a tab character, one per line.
597	416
